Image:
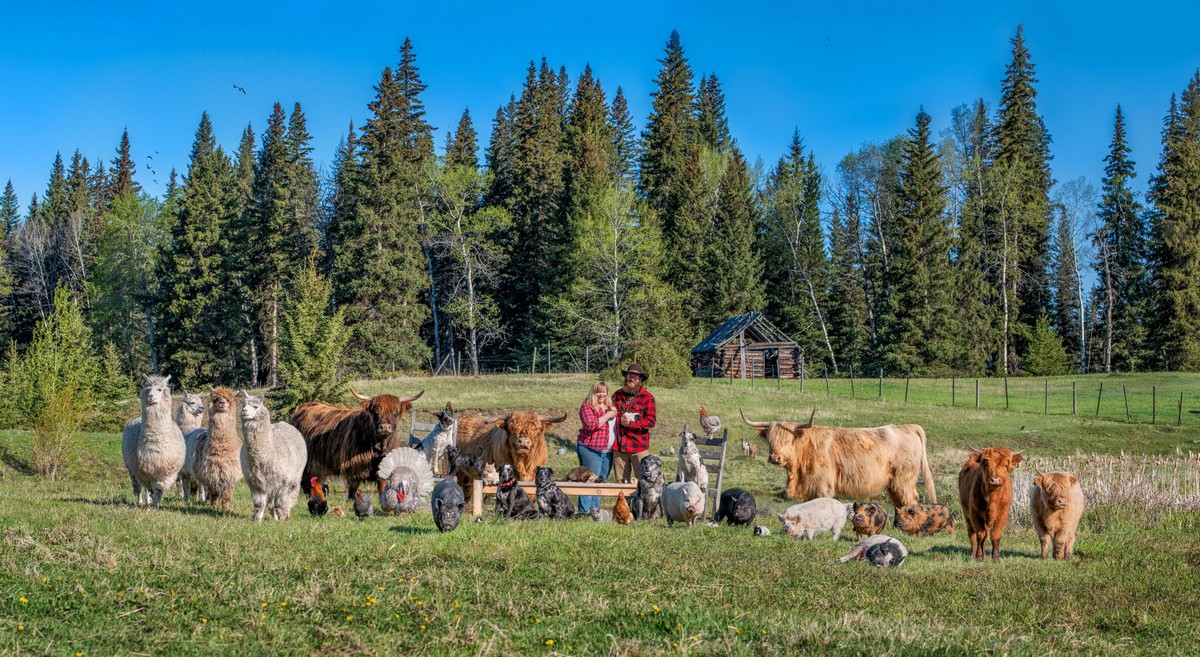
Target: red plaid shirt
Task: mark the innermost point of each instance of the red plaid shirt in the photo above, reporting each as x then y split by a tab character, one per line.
635	437
593	434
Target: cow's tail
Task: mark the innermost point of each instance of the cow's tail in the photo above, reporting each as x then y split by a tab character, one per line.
926	472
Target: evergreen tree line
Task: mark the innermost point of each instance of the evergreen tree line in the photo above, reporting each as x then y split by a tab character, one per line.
926	254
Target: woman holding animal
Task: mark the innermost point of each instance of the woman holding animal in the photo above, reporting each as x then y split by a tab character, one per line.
597	434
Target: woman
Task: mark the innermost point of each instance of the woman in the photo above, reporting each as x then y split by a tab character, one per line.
596	437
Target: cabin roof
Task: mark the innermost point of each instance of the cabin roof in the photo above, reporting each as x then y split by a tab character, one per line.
757	327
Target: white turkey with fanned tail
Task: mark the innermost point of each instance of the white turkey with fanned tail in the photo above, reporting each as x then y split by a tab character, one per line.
408	481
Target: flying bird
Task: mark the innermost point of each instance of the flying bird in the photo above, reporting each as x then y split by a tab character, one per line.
240	88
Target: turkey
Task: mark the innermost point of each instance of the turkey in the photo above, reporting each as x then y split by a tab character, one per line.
408	481
710	423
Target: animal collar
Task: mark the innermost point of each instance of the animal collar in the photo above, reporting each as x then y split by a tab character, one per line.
510	482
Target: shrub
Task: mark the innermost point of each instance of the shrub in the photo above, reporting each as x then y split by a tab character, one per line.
311	346
1046	355
664	362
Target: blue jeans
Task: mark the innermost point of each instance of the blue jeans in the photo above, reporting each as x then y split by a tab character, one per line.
598	462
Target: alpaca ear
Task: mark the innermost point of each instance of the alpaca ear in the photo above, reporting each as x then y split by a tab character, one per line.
167	380
243	393
146	377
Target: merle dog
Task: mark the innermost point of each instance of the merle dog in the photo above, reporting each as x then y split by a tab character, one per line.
737	506
552	502
511	500
448	503
648	503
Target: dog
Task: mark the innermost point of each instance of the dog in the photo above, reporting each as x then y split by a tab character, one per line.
511	500
465	468
647	504
552	502
583	475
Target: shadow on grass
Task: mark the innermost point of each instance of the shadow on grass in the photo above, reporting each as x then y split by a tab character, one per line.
964	551
175	508
16	463
405	529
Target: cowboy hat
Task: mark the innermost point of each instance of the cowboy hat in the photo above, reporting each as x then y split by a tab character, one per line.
634	368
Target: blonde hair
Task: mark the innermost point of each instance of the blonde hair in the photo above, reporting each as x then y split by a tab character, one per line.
596	387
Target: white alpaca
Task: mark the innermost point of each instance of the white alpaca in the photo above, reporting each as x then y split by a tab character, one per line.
152	445
273	459
190	418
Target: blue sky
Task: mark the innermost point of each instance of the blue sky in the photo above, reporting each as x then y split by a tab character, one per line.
75	74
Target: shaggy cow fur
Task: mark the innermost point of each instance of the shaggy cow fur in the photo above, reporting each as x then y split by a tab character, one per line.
985	490
517	439
1056	504
152	445
511	501
737	506
350	442
868	519
647	503
552	502
853	463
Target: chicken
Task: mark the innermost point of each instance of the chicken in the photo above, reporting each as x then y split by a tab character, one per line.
621	513
317	505
337	512
407	478
710	423
362	505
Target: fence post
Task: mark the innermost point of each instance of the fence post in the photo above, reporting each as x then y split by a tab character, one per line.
851	382
1153	404
801	373
1073	397
976	393
1098	394
906	379
533	365
1179	418
587	365
1126	396
953	386
1006	392
549	363
881	383
1046	398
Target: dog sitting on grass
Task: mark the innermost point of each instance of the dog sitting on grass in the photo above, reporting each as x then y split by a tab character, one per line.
511	500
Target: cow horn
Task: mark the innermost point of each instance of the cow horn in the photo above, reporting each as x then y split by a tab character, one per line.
411	399
760	425
552	420
491	419
356	395
810	418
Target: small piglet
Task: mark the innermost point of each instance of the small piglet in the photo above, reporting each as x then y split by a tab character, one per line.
683	502
448	503
880	549
868	519
924	519
737	506
823	514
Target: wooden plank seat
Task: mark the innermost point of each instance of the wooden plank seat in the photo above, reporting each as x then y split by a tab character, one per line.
478	489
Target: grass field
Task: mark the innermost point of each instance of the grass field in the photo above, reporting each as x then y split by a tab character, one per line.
84	571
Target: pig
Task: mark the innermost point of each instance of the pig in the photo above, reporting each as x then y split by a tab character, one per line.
682	501
879	549
737	506
1056	503
448	502
823	514
762	530
924	519
868	518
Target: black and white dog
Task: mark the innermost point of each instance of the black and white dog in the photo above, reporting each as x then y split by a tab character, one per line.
511	500
648	502
552	502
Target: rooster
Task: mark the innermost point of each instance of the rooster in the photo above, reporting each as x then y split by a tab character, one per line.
407	481
710	423
362	505
317	505
621	513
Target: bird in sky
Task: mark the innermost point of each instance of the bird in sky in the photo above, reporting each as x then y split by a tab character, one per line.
240	88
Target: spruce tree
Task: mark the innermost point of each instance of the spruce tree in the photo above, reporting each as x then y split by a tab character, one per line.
1121	254
10	212
379	270
917	327
120	178
194	303
624	139
1021	208
974	291
849	330
313	339
734	283
712	126
1065	311
666	147
1175	324
339	201
461	145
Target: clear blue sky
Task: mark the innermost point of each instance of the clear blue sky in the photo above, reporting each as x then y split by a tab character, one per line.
74	74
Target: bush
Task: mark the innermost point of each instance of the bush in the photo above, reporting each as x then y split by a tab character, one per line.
311	346
1046	355
664	362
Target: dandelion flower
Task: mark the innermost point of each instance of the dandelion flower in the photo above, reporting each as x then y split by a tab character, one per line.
264	605
24	600
656	609
283	604
204	621
349	618
20	628
549	642
422	627
695	639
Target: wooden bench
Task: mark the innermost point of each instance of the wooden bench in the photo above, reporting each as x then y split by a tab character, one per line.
478	489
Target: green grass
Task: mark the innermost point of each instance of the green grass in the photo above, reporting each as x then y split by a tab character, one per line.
100	576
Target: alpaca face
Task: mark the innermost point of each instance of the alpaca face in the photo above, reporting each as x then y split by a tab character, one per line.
253	408
193	403
157	390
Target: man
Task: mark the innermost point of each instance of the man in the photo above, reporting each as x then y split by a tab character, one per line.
635	419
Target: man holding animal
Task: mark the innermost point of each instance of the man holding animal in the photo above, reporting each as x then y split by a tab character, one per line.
636	417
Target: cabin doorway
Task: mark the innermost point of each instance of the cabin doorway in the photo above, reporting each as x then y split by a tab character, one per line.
771	363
